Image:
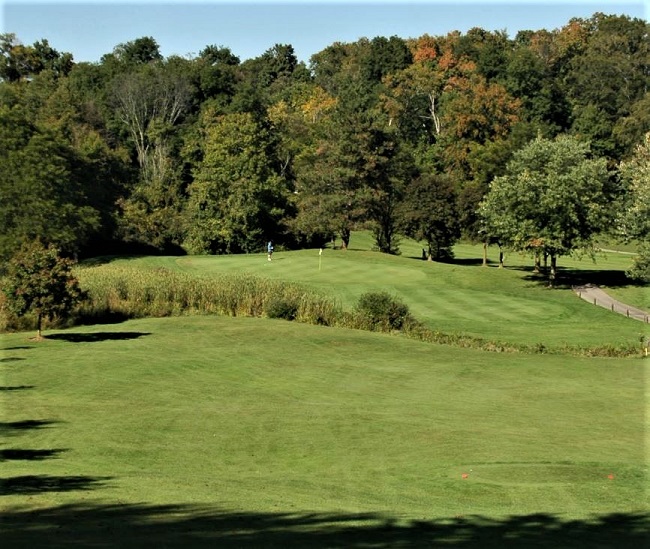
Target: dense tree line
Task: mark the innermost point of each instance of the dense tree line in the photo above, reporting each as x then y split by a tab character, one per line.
400	136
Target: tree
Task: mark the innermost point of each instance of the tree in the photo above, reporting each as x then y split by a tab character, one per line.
606	77
150	103
552	200
428	213
40	281
135	52
41	191
634	220
237	199
19	62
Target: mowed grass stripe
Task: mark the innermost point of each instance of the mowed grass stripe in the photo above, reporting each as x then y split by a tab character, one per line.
445	303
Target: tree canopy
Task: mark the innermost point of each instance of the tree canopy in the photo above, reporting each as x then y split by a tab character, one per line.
212	154
552	200
39	281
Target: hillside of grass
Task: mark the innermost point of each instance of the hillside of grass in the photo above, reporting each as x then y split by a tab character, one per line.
246	432
511	305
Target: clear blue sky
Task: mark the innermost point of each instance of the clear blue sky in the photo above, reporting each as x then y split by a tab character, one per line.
89	29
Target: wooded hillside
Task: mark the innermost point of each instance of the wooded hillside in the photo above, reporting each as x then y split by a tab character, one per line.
213	155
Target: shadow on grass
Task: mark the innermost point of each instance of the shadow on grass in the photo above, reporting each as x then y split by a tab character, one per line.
101	317
17	427
97	336
15	387
38	484
461	262
566	278
11	359
17	348
29	455
179	526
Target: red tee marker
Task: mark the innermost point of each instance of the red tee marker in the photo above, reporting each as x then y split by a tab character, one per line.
610	476
464	475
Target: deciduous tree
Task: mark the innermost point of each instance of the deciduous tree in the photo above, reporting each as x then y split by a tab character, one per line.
553	199
634	219
237	199
428	213
39	281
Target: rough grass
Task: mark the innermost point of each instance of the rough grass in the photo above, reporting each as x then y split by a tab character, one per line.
212	431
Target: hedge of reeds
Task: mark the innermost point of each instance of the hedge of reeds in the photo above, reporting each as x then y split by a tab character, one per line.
117	292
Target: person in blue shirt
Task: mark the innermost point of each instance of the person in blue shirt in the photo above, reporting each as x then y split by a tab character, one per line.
269	248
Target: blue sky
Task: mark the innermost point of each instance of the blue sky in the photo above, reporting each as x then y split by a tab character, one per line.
91	28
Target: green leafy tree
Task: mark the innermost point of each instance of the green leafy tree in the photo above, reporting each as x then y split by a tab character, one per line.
237	199
41	191
634	220
606	77
331	194
39	281
140	51
553	199
429	214
20	62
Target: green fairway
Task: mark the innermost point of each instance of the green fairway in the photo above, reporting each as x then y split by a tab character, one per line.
268	418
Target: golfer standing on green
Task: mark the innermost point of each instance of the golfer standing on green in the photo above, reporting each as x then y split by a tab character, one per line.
269	248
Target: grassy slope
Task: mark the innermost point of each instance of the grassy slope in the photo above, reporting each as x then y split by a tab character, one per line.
510	305
207	431
263	416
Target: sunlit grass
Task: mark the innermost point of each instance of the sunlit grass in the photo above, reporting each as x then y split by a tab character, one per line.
267	415
511	305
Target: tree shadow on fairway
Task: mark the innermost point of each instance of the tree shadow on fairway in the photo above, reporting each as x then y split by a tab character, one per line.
38	484
176	526
610	278
16	387
17	427
29	455
97	336
11	359
567	278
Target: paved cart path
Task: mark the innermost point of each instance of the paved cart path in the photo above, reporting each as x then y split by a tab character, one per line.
595	295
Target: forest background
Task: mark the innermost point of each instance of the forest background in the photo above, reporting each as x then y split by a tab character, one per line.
209	155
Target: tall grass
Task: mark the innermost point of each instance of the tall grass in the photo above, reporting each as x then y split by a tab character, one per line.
135	293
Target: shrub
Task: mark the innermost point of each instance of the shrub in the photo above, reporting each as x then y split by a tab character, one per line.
282	308
382	312
40	282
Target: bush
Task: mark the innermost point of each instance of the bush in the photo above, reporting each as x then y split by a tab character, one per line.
281	308
640	270
380	311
